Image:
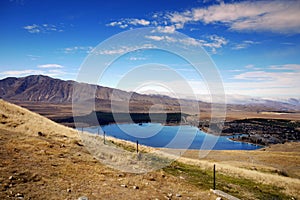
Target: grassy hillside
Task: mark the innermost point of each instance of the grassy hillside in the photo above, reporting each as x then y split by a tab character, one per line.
44	160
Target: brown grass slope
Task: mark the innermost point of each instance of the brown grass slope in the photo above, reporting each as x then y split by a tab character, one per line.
44	160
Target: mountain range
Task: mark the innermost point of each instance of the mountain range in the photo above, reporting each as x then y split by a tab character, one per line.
44	89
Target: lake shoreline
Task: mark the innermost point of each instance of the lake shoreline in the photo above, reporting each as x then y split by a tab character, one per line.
170	136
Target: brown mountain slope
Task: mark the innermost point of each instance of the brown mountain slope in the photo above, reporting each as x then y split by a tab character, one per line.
46	89
53	98
39	89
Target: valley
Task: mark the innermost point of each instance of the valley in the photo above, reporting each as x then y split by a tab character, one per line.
263	123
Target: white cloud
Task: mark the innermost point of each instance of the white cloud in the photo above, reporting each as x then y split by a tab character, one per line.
278	80
256	76
287	67
186	41
166	29
78	49
249	66
50	66
114	24
21	72
137	22
53	72
235	70
192	42
276	16
121	49
137	58
43	28
214	42
155	37
180	18
33	57
244	44
124	23
32	28
161	38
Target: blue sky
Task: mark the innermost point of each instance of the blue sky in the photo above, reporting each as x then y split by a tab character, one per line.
254	44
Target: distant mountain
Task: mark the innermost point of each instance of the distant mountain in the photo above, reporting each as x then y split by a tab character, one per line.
254	103
279	104
36	88
46	89
40	88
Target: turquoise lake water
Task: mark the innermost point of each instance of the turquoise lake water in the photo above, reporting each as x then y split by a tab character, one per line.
178	137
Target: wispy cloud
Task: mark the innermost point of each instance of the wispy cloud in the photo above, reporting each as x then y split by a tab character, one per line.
44	69
213	42
133	58
276	16
121	49
166	29
78	49
54	70
50	66
272	81
271	16
33	57
288	67
43	28
244	44
124	23
21	72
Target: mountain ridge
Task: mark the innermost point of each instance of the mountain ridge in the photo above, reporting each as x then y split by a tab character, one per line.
41	88
54	90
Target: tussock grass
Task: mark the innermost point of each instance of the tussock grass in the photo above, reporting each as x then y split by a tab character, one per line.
18	119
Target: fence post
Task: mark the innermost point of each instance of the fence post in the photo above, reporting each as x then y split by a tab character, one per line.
137	146
214	186
103	137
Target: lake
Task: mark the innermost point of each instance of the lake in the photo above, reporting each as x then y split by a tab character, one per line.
178	137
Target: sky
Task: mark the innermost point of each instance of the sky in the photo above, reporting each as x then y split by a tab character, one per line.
255	45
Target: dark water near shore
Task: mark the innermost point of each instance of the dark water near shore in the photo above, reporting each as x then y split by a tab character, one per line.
179	137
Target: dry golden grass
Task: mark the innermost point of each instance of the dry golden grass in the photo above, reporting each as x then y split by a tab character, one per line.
54	165
242	114
276	159
269	166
